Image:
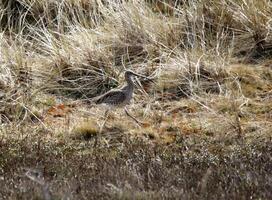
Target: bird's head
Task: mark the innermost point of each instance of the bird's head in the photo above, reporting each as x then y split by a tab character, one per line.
129	73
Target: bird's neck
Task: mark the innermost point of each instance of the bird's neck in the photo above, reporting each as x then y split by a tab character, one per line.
130	84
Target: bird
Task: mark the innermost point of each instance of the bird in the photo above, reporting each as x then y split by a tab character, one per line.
118	98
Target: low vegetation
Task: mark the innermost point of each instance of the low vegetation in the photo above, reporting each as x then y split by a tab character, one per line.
207	118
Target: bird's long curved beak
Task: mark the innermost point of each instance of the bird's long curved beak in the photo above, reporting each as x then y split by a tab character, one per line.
145	77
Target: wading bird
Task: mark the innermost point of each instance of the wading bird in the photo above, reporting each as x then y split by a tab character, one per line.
117	98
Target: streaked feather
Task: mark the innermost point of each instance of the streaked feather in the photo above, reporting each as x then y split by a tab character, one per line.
112	97
118	97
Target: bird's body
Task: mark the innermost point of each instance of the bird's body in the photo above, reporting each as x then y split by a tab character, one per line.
118	97
115	98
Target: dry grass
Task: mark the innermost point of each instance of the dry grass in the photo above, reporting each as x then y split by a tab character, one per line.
85	130
207	119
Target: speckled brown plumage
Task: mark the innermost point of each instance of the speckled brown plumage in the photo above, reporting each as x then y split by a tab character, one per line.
112	97
119	97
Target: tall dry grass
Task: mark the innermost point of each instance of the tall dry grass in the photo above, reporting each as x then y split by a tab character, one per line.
82	44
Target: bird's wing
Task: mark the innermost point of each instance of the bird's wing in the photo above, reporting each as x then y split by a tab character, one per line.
111	97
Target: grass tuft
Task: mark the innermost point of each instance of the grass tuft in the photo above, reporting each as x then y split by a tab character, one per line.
85	130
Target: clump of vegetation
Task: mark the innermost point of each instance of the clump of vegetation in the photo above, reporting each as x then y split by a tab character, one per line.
206	120
85	130
15	83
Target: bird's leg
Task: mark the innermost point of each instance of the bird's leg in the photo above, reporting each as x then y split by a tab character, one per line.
138	122
106	115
